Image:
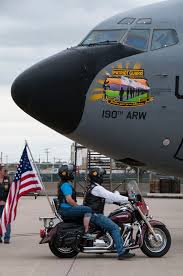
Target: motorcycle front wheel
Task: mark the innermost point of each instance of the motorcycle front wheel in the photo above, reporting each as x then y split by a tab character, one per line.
62	252
153	248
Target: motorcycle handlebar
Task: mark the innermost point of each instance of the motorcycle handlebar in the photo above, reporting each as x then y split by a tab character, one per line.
135	199
124	193
117	203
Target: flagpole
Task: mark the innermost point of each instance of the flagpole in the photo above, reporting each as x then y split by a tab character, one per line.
39	176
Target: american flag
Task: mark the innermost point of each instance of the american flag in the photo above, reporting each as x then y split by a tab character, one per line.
25	181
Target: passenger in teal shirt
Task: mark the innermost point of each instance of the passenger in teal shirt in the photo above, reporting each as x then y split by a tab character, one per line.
66	189
69	209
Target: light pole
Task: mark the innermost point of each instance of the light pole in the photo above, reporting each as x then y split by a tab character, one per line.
47	153
6	159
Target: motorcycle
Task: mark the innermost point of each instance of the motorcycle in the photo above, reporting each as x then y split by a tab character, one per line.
66	238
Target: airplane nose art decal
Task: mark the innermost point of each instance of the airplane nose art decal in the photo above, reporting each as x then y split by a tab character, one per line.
123	87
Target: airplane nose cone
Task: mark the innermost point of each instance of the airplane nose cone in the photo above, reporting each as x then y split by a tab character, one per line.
53	91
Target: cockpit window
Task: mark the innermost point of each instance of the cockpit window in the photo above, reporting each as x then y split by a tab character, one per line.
103	37
144	21
127	20
138	39
163	38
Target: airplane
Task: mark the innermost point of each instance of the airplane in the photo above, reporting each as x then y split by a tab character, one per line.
120	91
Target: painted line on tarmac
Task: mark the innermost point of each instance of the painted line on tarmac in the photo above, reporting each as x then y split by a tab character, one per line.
71	266
25	235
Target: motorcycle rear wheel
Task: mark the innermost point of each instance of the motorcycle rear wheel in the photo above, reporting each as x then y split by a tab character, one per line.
151	247
63	252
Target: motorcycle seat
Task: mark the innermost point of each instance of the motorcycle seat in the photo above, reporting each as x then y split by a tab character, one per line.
72	221
69	220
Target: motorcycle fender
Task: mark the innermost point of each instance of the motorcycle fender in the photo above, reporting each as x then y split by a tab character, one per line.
144	229
50	235
152	223
156	222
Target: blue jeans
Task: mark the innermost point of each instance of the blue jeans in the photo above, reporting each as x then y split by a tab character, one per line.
75	212
8	231
108	225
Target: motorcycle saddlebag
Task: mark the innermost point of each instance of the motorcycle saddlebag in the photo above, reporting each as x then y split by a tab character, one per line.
69	234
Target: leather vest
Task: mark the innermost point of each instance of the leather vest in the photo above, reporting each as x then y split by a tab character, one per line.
94	202
61	196
4	188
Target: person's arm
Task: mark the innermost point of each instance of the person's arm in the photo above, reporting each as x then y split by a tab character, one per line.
67	191
109	196
70	200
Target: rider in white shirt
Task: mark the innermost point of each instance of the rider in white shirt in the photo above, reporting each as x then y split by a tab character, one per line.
110	197
96	196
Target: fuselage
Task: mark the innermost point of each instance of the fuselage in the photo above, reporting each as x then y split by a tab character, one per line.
120	91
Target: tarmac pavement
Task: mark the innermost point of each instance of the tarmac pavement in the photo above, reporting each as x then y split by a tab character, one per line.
24	255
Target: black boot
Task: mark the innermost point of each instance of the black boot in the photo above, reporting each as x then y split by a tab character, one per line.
7	241
126	256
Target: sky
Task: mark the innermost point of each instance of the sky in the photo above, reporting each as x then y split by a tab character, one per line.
29	32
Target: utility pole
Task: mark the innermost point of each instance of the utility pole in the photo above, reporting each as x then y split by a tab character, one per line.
39	160
47	153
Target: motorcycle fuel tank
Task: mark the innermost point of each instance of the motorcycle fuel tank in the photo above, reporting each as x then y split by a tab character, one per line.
121	216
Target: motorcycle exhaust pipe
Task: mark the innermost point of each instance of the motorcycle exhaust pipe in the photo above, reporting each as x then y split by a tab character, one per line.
97	248
104	249
99	251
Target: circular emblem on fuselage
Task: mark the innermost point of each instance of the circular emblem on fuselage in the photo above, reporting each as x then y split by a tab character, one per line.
123	87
